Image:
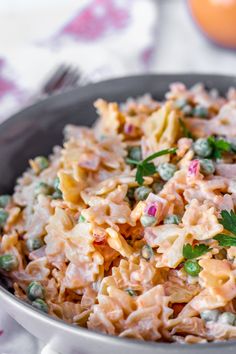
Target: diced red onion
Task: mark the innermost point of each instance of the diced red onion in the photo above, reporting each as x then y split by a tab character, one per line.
151	209
193	168
155	206
128	128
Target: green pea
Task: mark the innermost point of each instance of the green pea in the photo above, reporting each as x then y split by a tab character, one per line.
147	220
192	267
135	153
172	219
202	147
42	188
42	162
34	244
210	315
141	193
57	194
166	170
187	110
131	292
8	262
56	183
228	318
3	216
158	186
4	200
200	111
82	218
147	252
35	291
181	102
207	167
40	305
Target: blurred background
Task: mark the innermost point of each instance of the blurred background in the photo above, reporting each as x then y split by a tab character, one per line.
46	46
106	38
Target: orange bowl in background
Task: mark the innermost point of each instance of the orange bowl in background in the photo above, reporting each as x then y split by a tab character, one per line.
217	19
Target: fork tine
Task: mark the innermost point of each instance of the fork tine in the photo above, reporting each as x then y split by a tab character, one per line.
64	77
56	79
71	79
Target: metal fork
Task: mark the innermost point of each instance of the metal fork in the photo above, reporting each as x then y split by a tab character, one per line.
63	78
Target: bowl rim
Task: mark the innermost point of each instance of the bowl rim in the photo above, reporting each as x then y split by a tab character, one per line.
56	322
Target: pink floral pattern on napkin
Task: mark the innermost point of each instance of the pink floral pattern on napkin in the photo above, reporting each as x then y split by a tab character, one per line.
6	85
103	38
97	19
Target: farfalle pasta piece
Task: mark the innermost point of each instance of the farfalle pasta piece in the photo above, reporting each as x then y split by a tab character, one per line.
173	192
83	273
106	316
127	303
104	211
70	188
201	221
178	289
38	218
218	282
99	189
219	277
220	331
152	311
206	190
146	275
156	123
170	239
160	132
110	117
136	274
38	269
224	122
118	243
194	326
9	241
86	263
143	324
226	170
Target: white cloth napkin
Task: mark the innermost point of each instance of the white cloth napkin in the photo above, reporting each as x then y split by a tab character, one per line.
103	38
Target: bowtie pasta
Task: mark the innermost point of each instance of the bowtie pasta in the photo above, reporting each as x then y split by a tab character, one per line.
129	228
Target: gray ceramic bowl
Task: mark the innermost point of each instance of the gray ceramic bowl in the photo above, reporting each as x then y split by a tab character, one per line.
35	131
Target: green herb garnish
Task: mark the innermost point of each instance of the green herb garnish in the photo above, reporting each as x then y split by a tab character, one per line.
186	131
146	168
228	220
226	240
190	252
219	146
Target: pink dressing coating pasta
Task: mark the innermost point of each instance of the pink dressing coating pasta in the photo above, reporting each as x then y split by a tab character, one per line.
110	257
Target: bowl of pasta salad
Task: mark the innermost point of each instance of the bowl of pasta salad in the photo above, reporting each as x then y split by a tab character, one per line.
117	216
